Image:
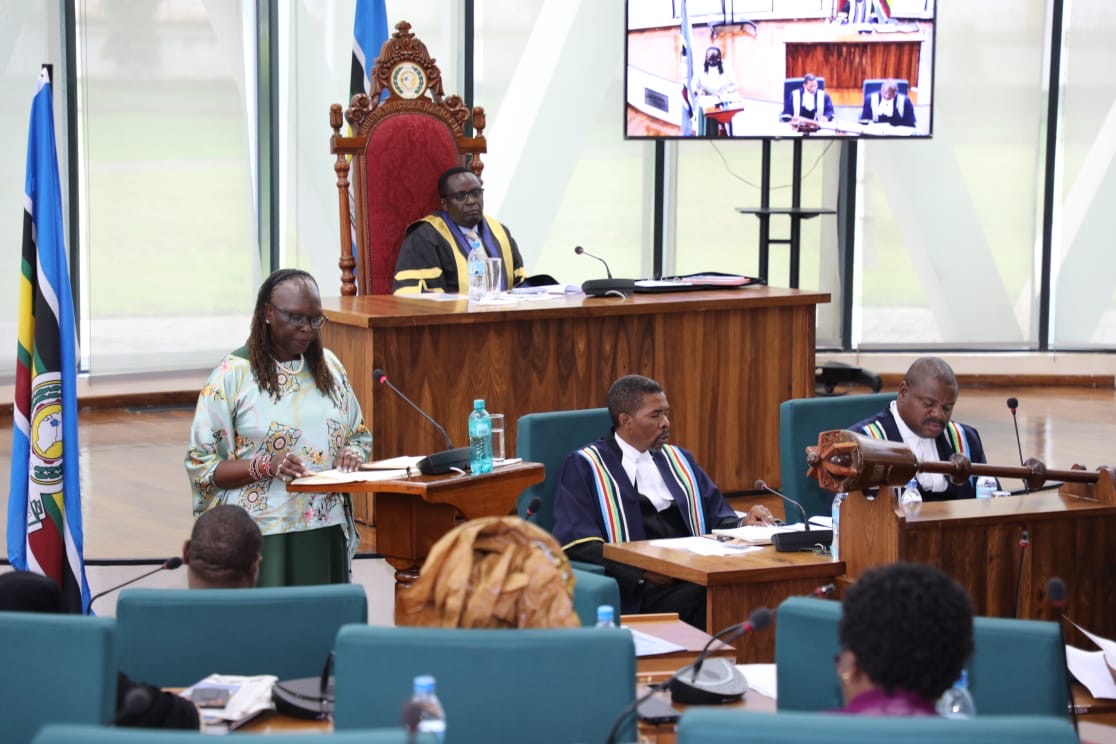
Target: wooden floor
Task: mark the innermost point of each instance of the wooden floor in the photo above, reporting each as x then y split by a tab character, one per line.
137	499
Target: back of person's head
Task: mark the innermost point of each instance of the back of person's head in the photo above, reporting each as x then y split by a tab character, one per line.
626	395
910	627
25	591
494	572
223	551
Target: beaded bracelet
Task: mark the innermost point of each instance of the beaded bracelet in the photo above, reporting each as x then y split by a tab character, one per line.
260	467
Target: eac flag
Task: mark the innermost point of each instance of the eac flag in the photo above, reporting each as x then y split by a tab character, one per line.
44	503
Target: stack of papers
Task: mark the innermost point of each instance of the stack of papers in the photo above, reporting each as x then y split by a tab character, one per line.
755	534
1094	669
248	697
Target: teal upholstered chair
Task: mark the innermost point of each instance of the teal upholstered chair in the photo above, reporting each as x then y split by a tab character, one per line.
514	685
728	726
55	668
548	438
174	637
800	422
1018	666
591	590
101	735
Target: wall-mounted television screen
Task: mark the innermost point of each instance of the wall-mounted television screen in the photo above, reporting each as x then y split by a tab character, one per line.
751	69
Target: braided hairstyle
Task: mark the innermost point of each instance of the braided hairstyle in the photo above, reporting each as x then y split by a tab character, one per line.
261	348
910	626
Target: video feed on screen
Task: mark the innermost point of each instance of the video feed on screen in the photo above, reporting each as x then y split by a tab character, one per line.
779	68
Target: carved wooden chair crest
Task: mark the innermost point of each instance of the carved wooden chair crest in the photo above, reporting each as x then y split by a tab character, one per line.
400	144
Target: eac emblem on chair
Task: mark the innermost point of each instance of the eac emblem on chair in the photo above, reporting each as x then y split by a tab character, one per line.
405	133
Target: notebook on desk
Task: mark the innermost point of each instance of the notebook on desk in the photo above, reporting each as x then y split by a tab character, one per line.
691	282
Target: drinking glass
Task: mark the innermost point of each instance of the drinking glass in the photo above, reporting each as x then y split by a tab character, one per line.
497	435
494	272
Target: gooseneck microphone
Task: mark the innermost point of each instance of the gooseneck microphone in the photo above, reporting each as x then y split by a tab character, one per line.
605	287
438	463
790	542
1012	404
168	565
378	375
1056	595
725	684
582	252
1024	543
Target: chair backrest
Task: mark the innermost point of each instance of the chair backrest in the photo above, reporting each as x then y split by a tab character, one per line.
1018	666
174	637
70	734
548	438
399	146
800	422
591	590
873	85
55	668
496	686
722	726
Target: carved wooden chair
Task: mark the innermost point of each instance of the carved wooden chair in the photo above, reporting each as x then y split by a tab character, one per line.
404	134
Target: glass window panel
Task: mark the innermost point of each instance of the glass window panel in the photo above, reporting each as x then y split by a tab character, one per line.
315	53
1084	287
29	36
168	157
558	172
947	229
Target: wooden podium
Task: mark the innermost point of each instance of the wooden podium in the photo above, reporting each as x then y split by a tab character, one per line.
1004	551
412	513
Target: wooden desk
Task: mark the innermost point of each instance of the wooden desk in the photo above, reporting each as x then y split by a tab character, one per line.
667	626
735	585
411	514
977	543
727	358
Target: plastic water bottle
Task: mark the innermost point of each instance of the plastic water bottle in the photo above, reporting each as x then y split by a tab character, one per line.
480	439
433	717
957	701
911	496
835	547
986	485
606	616
478	272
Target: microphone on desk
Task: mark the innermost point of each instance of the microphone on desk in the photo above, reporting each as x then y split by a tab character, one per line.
532	508
721	683
604	287
1012	404
1056	595
168	565
789	542
438	463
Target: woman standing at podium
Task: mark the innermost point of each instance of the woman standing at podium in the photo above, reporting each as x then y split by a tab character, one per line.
276	409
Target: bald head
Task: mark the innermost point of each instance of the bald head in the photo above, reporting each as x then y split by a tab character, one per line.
223	551
927	396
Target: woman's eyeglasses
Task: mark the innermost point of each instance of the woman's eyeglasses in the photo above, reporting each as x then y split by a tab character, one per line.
299	320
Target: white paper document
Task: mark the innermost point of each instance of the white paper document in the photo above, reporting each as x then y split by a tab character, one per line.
758	534
761	678
649	645
336	477
248	697
1089	668
392	463
705	546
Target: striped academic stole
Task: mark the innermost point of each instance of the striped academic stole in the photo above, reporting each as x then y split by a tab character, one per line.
612	507
955	436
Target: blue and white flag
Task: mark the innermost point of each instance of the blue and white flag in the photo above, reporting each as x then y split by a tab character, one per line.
370	31
44	503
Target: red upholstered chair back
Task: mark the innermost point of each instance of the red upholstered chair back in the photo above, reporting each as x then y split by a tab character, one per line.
399	146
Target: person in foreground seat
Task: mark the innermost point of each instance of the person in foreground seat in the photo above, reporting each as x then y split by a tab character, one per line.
223	550
631	485
137	704
906	633
433	257
493	572
920	419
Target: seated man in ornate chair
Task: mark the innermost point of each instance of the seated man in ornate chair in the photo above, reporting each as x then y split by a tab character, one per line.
405	133
436	248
